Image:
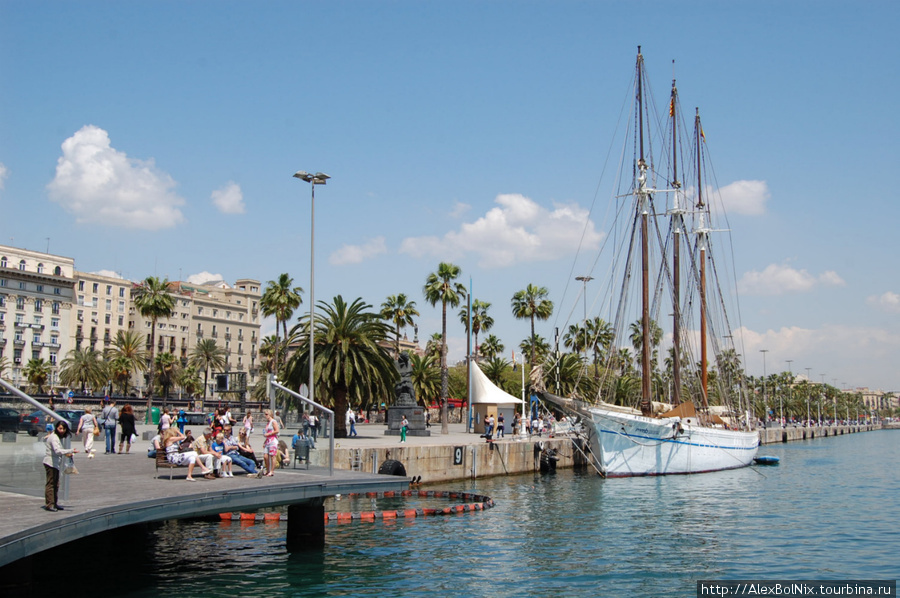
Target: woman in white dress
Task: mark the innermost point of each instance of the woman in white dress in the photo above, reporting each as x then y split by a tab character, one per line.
171	439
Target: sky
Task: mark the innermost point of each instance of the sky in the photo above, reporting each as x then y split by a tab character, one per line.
160	138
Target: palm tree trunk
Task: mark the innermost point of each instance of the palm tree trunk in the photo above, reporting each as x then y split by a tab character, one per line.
152	369
340	409
532	342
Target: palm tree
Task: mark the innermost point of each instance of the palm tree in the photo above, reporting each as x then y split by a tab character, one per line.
399	310
637	340
268	350
129	356
491	347
4	364
530	303
189	380
166	371
495	369
480	319
537	346
82	367
439	287
153	300
118	370
348	356
207	354
433	346
426	377
36	371
600	338
280	299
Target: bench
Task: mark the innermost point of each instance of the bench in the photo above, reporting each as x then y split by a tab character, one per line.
162	461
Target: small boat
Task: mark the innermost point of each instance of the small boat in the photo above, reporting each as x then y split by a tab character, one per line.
766	460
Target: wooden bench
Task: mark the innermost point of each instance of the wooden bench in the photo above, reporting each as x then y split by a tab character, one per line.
162	461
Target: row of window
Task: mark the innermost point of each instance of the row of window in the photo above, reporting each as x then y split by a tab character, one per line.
95	287
38	304
23	286
4	263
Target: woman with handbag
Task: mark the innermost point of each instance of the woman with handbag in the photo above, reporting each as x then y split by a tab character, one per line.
88	427
53	461
127	426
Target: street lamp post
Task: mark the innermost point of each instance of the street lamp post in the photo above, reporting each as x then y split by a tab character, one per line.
313	179
765	400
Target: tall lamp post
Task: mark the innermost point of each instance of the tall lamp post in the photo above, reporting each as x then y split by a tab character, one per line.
313	179
765	400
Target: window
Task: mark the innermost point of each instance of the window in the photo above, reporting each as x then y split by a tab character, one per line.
3	262
109	289
22	285
80	285
55	308
36	340
20	303
58	271
121	320
39	288
38	320
107	318
22	265
121	291
20	318
54	339
53	359
96	287
40	268
121	307
56	291
2	300
54	323
38	305
2	282
109	305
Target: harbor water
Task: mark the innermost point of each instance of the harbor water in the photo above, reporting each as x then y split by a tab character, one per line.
830	510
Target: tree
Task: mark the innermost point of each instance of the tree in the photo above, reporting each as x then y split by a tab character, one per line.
530	303
207	354
426	377
637	341
166	371
37	371
280	299
440	288
127	355
537	346
348	356
189	380
153	300
491	347
433	346
496	370
4	364
480	319
268	350
399	310
82	367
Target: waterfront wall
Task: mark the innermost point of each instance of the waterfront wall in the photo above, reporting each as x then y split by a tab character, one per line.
446	463
775	435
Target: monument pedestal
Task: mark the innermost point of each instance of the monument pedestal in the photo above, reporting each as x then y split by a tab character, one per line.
415	415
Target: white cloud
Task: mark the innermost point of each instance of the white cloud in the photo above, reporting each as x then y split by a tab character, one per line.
99	184
460	209
745	197
4	172
780	279
889	302
203	277
229	199
109	274
355	254
517	231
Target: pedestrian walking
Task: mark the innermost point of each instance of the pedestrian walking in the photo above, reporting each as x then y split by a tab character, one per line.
109	417
404	426
127	427
87	425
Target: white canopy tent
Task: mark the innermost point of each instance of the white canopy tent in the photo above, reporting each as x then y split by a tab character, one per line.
488	398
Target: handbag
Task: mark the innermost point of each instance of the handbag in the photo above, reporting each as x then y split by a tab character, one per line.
96	430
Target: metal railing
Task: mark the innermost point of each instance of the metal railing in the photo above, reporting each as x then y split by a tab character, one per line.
272	385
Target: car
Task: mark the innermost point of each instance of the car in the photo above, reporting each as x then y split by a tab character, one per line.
9	420
35	422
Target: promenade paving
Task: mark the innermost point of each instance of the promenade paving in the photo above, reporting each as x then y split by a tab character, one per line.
118	489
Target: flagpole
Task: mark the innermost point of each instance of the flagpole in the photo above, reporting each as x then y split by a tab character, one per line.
469	360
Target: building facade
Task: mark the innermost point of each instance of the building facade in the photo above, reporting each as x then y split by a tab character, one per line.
101	310
36	297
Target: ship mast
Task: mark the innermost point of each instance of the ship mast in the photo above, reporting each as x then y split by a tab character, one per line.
643	198
702	231
678	227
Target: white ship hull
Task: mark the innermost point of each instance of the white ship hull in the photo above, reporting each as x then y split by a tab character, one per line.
633	445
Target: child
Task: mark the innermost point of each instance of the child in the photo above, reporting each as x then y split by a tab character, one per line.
218	446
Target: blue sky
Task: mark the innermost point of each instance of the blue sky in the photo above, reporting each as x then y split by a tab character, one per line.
159	138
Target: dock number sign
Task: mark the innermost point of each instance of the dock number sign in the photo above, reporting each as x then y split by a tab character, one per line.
457	455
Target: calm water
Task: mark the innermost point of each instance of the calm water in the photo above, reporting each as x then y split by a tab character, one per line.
829	511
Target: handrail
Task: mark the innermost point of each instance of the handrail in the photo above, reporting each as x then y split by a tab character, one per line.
272	383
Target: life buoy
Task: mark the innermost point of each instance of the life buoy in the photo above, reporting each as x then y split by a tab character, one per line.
392	467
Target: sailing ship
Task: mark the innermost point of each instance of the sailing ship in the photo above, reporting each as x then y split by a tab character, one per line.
665	256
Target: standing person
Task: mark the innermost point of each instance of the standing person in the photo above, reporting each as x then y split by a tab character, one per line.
305	423
53	461
86	426
351	421
127	427
164	422
181	421
500	425
270	448
110	417
404	426
248	423
313	425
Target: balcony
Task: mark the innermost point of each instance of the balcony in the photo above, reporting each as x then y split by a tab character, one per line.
227	336
21	325
36	326
199	334
19	343
215	334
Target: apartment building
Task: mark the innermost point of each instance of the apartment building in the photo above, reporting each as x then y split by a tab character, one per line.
36	297
101	310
